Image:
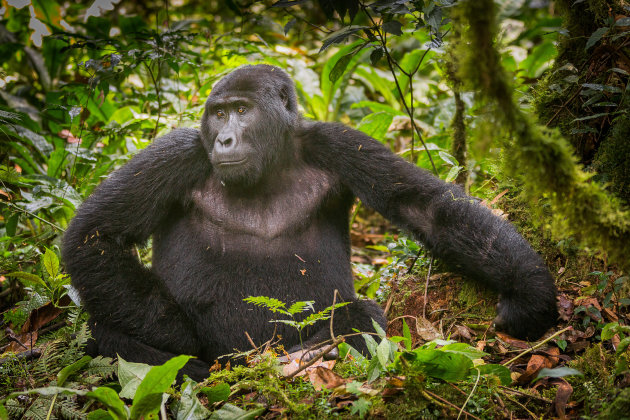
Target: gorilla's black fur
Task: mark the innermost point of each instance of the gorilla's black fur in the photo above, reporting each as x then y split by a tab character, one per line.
257	203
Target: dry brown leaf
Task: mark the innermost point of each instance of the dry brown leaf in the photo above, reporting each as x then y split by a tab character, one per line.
565	307
610	315
562	397
426	330
535	364
464	332
295	364
322	377
511	341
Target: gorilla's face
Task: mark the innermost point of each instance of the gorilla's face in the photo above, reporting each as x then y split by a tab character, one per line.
248	124
234	156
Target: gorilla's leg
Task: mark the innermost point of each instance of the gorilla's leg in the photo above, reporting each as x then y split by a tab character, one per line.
112	343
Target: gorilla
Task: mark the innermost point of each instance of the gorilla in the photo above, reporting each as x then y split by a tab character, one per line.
257	203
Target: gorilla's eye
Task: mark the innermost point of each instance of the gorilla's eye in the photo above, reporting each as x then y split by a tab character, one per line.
241	109
220	114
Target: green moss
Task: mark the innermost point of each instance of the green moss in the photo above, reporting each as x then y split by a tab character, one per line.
542	158
619	408
612	161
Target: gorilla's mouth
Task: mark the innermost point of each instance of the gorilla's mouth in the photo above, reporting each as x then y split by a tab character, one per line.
232	162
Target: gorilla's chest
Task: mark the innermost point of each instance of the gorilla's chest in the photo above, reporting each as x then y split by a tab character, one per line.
282	207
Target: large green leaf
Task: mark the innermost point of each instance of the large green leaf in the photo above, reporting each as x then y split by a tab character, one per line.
149	393
109	398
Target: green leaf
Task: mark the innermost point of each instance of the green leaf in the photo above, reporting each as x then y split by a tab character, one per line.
609	330
623	345
382	352
340	36
146	406
340	66
438	364
130	375
217	393
108	397
11	224
376	55
558	372
189	407
70	369
374	370
27	279
595	37
407	335
502	372
4	414
376	125
361	406
232	412
51	263
448	158
379	330
99	414
301	306
464	349
393	27
156	382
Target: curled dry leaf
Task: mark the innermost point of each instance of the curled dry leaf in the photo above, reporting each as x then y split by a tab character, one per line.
513	342
426	330
535	364
565	307
322	377
562	397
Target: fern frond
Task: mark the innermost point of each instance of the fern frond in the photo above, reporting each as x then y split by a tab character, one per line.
69	409
273	304
301	306
100	366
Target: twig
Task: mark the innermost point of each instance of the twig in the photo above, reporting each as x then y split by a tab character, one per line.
537	345
52	405
322	353
524	394
390	64
26	355
332	315
426	290
18	208
254	346
470	395
441	401
534	416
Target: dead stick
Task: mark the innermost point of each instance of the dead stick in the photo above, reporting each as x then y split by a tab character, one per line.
325	351
537	345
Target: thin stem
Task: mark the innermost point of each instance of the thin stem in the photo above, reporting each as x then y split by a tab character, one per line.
537	345
18	208
390	63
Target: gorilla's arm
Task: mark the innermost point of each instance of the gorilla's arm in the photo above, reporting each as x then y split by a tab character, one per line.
124	211
464	234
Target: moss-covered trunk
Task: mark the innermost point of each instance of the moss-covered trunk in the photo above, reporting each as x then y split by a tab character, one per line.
585	94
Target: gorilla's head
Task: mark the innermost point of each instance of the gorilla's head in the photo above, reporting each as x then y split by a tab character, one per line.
248	123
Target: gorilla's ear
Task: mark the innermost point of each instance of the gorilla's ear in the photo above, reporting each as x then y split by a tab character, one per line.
284	97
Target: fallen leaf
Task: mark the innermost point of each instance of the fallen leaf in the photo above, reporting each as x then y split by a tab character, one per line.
322	377
464	332
562	397
565	307
426	330
535	364
610	315
514	342
295	364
